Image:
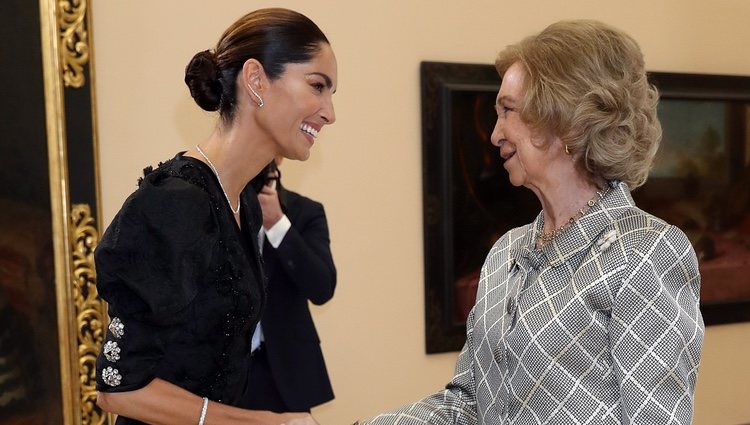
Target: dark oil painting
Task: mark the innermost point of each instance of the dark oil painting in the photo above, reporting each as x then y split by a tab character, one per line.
700	182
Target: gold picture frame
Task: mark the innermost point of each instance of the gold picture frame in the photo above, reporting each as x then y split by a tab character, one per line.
53	75
68	69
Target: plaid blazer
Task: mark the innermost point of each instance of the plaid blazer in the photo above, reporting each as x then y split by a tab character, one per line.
600	326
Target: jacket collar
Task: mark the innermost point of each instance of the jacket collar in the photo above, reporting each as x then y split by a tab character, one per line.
581	235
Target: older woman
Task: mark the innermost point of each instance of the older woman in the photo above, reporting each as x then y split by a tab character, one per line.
589	314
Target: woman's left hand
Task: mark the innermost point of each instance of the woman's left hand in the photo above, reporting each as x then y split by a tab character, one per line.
270	206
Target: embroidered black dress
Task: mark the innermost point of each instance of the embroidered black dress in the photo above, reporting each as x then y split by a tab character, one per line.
184	285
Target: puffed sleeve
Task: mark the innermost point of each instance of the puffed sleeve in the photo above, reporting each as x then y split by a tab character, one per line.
150	263
656	331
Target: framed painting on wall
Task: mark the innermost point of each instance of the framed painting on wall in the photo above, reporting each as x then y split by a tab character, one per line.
468	200
51	319
700	182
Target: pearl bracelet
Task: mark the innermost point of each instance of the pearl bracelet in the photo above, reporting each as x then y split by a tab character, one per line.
204	409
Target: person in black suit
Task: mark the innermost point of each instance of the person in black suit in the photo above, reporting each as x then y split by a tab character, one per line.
287	371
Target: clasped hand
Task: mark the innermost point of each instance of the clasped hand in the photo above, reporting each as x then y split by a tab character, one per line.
269	203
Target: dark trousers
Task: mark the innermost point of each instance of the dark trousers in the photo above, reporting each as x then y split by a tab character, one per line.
262	392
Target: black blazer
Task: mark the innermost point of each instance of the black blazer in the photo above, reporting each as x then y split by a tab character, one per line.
300	269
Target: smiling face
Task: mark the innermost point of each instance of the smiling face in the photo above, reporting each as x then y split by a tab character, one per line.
299	103
526	155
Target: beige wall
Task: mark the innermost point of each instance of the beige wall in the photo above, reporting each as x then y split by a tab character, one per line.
366	168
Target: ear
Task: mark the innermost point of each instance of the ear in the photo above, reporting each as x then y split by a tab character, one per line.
253	75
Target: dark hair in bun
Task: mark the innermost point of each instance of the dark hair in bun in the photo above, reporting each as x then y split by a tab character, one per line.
202	80
275	37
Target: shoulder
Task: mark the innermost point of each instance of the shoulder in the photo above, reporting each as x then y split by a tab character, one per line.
175	185
641	230
179	177
653	246
171	200
295	201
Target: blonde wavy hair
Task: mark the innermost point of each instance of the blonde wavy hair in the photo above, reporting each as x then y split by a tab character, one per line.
586	83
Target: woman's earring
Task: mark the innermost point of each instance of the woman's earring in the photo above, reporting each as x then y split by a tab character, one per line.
567	150
260	99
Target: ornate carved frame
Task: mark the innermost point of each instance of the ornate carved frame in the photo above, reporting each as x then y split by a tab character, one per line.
74	192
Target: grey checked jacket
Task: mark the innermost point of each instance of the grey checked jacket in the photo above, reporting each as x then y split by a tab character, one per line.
600	326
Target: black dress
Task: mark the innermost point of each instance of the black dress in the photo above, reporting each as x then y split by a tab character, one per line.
184	285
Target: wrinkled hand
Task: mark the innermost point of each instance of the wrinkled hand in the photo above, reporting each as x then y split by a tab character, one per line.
269	204
299	419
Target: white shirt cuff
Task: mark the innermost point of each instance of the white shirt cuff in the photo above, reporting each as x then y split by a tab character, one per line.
277	232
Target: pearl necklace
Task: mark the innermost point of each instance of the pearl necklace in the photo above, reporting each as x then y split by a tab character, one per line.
216	173
546	237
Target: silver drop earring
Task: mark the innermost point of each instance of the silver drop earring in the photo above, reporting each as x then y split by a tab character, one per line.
260	99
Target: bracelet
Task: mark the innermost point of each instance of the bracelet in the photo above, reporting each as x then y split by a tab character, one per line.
204	409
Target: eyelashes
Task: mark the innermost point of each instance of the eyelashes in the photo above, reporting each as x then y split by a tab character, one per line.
503	110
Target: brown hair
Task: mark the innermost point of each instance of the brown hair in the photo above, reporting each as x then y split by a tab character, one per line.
275	37
586	83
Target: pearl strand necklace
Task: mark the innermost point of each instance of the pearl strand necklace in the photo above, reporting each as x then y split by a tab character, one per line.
216	173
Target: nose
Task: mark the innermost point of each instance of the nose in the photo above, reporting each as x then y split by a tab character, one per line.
327	112
497	133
